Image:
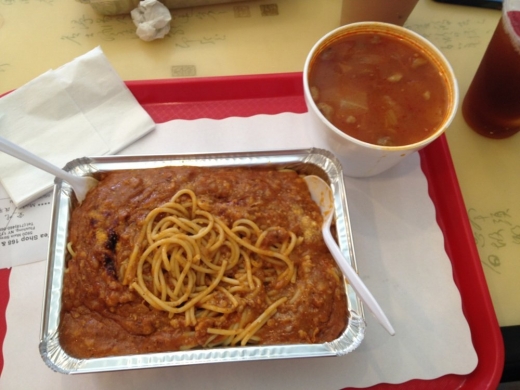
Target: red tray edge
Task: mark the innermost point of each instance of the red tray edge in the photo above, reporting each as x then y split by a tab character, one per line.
4	299
453	219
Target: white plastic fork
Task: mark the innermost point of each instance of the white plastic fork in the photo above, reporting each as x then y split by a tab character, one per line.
80	184
321	193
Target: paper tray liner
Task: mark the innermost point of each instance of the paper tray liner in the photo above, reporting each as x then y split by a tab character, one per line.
309	161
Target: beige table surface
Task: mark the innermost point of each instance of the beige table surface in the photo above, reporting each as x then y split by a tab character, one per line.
272	36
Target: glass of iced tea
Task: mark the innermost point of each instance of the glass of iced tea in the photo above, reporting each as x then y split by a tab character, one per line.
491	106
377	92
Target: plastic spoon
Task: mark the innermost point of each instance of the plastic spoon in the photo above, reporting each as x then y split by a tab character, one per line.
322	194
80	185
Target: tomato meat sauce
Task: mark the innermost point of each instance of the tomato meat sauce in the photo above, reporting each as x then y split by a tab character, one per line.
379	89
101	316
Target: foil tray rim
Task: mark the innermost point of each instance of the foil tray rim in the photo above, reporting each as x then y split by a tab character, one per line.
307	161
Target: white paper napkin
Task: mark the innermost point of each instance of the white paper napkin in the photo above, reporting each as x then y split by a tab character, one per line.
401	258
82	108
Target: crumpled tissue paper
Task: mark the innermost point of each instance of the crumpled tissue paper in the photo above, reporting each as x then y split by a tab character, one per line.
152	20
80	109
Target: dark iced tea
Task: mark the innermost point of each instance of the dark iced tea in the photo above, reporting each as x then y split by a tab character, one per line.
492	105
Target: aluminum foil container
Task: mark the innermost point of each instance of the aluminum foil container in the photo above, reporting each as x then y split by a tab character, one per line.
309	161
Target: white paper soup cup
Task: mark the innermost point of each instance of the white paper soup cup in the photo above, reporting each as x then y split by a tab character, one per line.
359	158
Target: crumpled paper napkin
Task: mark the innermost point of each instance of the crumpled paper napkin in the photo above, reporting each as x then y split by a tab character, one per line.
80	109
152	19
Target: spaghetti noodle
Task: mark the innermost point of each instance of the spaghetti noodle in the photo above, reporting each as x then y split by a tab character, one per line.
188	261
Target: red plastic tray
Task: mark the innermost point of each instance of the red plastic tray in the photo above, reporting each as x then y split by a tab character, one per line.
222	97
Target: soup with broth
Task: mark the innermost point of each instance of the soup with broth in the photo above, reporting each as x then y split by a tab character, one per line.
379	89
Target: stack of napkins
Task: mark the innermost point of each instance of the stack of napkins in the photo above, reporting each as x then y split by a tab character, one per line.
80	109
